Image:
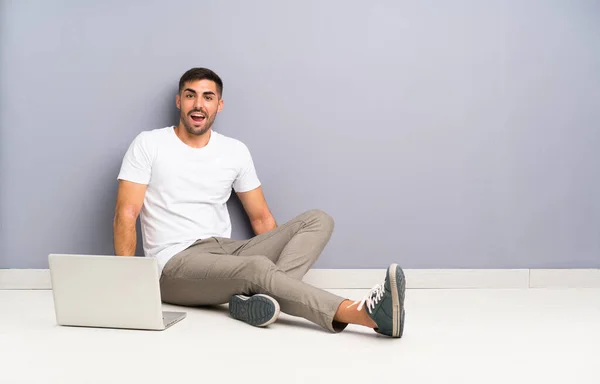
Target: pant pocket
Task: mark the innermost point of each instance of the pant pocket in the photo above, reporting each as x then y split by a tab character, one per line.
229	246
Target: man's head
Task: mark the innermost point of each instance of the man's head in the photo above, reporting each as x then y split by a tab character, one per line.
199	100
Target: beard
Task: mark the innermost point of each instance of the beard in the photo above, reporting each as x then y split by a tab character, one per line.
197	131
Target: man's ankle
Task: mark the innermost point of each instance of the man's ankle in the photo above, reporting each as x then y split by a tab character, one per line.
369	322
348	313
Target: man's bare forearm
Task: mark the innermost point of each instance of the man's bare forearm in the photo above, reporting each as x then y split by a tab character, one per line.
124	235
264	225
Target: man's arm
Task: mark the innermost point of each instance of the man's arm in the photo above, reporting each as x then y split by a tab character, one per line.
130	198
257	210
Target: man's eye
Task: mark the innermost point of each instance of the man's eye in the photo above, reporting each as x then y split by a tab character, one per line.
189	96
208	98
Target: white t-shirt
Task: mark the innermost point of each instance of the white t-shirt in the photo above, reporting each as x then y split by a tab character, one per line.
188	188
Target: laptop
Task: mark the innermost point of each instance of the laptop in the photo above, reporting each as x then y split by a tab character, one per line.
108	292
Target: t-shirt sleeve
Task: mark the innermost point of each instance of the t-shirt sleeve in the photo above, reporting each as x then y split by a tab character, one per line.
246	179
137	163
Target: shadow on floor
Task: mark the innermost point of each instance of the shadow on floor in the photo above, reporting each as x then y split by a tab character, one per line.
289	321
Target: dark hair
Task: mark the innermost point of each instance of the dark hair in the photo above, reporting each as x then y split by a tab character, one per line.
201	74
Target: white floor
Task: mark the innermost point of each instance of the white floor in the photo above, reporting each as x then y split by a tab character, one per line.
451	336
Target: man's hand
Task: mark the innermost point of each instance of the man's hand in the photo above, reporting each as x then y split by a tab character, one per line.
257	210
130	198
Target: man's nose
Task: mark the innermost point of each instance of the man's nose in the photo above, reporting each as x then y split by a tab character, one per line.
199	103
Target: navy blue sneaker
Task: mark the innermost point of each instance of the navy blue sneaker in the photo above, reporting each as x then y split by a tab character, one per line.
258	310
385	303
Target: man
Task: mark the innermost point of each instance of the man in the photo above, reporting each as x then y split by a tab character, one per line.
180	178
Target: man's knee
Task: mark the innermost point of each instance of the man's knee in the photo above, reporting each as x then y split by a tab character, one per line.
322	218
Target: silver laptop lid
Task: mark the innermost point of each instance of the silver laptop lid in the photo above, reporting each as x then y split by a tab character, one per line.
106	291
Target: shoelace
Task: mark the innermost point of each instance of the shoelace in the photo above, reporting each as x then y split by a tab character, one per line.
372	298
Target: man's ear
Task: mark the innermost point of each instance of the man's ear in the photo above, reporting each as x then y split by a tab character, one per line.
220	105
178	101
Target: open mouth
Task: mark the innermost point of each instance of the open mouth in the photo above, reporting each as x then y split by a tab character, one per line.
197	117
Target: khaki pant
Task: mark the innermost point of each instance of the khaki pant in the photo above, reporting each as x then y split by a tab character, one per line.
212	270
